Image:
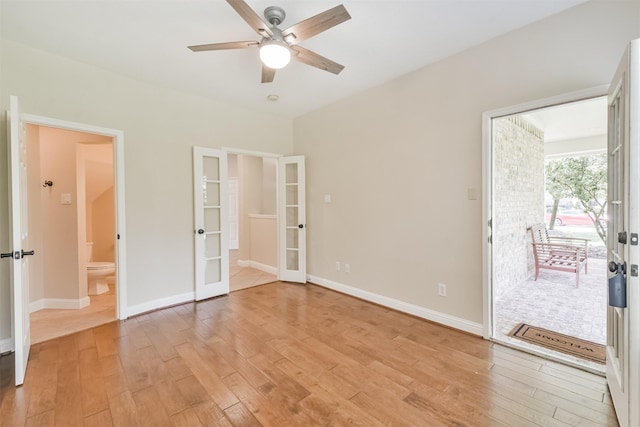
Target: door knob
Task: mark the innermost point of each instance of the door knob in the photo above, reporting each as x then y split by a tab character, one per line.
200	231
25	253
615	267
300	226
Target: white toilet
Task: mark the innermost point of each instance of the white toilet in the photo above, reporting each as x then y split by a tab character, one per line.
97	273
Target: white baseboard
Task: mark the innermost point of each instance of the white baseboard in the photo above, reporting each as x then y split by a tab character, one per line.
160	303
258	266
415	310
6	345
263	267
59	303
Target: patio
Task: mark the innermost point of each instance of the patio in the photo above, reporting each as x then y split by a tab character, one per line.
553	302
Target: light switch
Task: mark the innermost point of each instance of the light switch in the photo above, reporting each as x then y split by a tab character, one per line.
472	193
327	198
65	198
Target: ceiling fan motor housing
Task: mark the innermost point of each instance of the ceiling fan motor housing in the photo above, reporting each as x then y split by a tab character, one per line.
275	15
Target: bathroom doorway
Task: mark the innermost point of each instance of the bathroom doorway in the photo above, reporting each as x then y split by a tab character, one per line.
71	197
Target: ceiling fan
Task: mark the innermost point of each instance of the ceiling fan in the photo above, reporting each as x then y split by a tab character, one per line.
277	46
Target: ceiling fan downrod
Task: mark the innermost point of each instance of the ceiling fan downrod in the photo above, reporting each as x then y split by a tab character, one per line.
274	15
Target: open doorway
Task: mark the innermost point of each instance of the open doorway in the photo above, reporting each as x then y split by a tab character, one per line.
253	232
530	149
71	199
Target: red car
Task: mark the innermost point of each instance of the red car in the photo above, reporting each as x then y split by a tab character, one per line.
571	217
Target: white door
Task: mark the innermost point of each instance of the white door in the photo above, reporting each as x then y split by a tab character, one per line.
211	212
292	258
623	352
17	150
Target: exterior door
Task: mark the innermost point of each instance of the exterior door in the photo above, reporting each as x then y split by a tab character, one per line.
623	316
292	257
211	210
17	160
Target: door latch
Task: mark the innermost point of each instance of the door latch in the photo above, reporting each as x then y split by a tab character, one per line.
622	237
634	239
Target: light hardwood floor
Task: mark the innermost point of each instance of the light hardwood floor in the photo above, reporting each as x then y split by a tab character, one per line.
292	355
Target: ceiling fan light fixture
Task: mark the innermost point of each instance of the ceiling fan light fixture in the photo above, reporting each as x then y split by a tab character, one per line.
274	54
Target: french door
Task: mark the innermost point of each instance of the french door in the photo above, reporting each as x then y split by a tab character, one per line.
211	211
292	235
623	312
18	254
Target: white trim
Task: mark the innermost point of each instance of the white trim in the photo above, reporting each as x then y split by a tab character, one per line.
487	180
263	267
159	303
405	307
6	346
59	303
263	216
258	266
231	150
119	166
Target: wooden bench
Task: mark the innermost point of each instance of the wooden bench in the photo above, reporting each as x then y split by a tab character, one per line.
558	253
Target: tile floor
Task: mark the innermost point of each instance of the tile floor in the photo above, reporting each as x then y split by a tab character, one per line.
246	277
47	324
553	302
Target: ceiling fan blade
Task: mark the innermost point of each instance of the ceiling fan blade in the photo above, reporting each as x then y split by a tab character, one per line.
267	74
250	17
316	24
222	46
311	58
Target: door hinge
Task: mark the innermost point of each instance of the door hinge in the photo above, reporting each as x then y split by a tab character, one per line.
490	239
622	237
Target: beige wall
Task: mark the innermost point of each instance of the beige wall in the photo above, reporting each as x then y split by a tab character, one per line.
59	221
264	234
160	128
269	186
398	159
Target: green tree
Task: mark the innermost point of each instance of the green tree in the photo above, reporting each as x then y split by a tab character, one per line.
583	178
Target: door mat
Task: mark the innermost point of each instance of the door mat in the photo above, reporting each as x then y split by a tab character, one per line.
563	343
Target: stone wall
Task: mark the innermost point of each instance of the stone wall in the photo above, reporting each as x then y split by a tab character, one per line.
518	195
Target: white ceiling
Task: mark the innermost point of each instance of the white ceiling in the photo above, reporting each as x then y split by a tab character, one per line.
147	39
571	121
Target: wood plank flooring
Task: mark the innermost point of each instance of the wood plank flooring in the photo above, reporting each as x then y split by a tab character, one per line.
292	355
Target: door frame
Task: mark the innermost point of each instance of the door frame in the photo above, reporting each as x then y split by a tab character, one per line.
119	186
487	185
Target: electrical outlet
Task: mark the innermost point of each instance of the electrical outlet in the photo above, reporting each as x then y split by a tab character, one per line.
337	265
347	268
442	289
